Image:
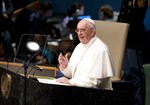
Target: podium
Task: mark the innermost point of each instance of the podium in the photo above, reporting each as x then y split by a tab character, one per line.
12	93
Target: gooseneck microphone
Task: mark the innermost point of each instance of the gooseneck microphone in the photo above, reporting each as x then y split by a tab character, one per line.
35	46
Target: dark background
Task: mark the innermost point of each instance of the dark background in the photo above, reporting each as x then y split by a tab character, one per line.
61	6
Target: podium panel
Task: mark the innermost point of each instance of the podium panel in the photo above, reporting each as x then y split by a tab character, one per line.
12	93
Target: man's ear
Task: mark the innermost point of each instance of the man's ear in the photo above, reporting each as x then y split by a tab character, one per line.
93	32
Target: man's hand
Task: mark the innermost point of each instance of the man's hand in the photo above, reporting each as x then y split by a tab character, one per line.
63	61
63	80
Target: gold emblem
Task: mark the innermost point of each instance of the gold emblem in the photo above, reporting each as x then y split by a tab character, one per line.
6	85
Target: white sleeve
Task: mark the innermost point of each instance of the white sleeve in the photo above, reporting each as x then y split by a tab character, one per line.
67	71
103	83
84	82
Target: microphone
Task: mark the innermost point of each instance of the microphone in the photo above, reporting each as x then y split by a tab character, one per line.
27	63
34	67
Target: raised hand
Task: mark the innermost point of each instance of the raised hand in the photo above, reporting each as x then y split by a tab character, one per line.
63	61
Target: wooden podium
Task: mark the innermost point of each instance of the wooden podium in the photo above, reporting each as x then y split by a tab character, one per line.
48	71
12	93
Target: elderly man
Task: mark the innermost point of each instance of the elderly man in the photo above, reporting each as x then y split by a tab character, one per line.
91	64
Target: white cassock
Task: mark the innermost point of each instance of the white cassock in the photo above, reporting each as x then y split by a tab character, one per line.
90	65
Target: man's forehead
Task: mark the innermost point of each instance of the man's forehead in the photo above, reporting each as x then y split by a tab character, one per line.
82	23
89	20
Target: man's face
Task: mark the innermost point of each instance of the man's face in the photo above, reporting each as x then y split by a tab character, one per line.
84	31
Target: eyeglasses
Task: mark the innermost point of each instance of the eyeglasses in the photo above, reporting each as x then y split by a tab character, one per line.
81	30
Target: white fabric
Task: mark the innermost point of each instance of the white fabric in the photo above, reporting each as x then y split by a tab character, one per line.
90	65
90	20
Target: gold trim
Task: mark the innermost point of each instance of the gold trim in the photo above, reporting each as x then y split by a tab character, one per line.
6	85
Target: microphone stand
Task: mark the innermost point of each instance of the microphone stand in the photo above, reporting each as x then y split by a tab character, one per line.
26	65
